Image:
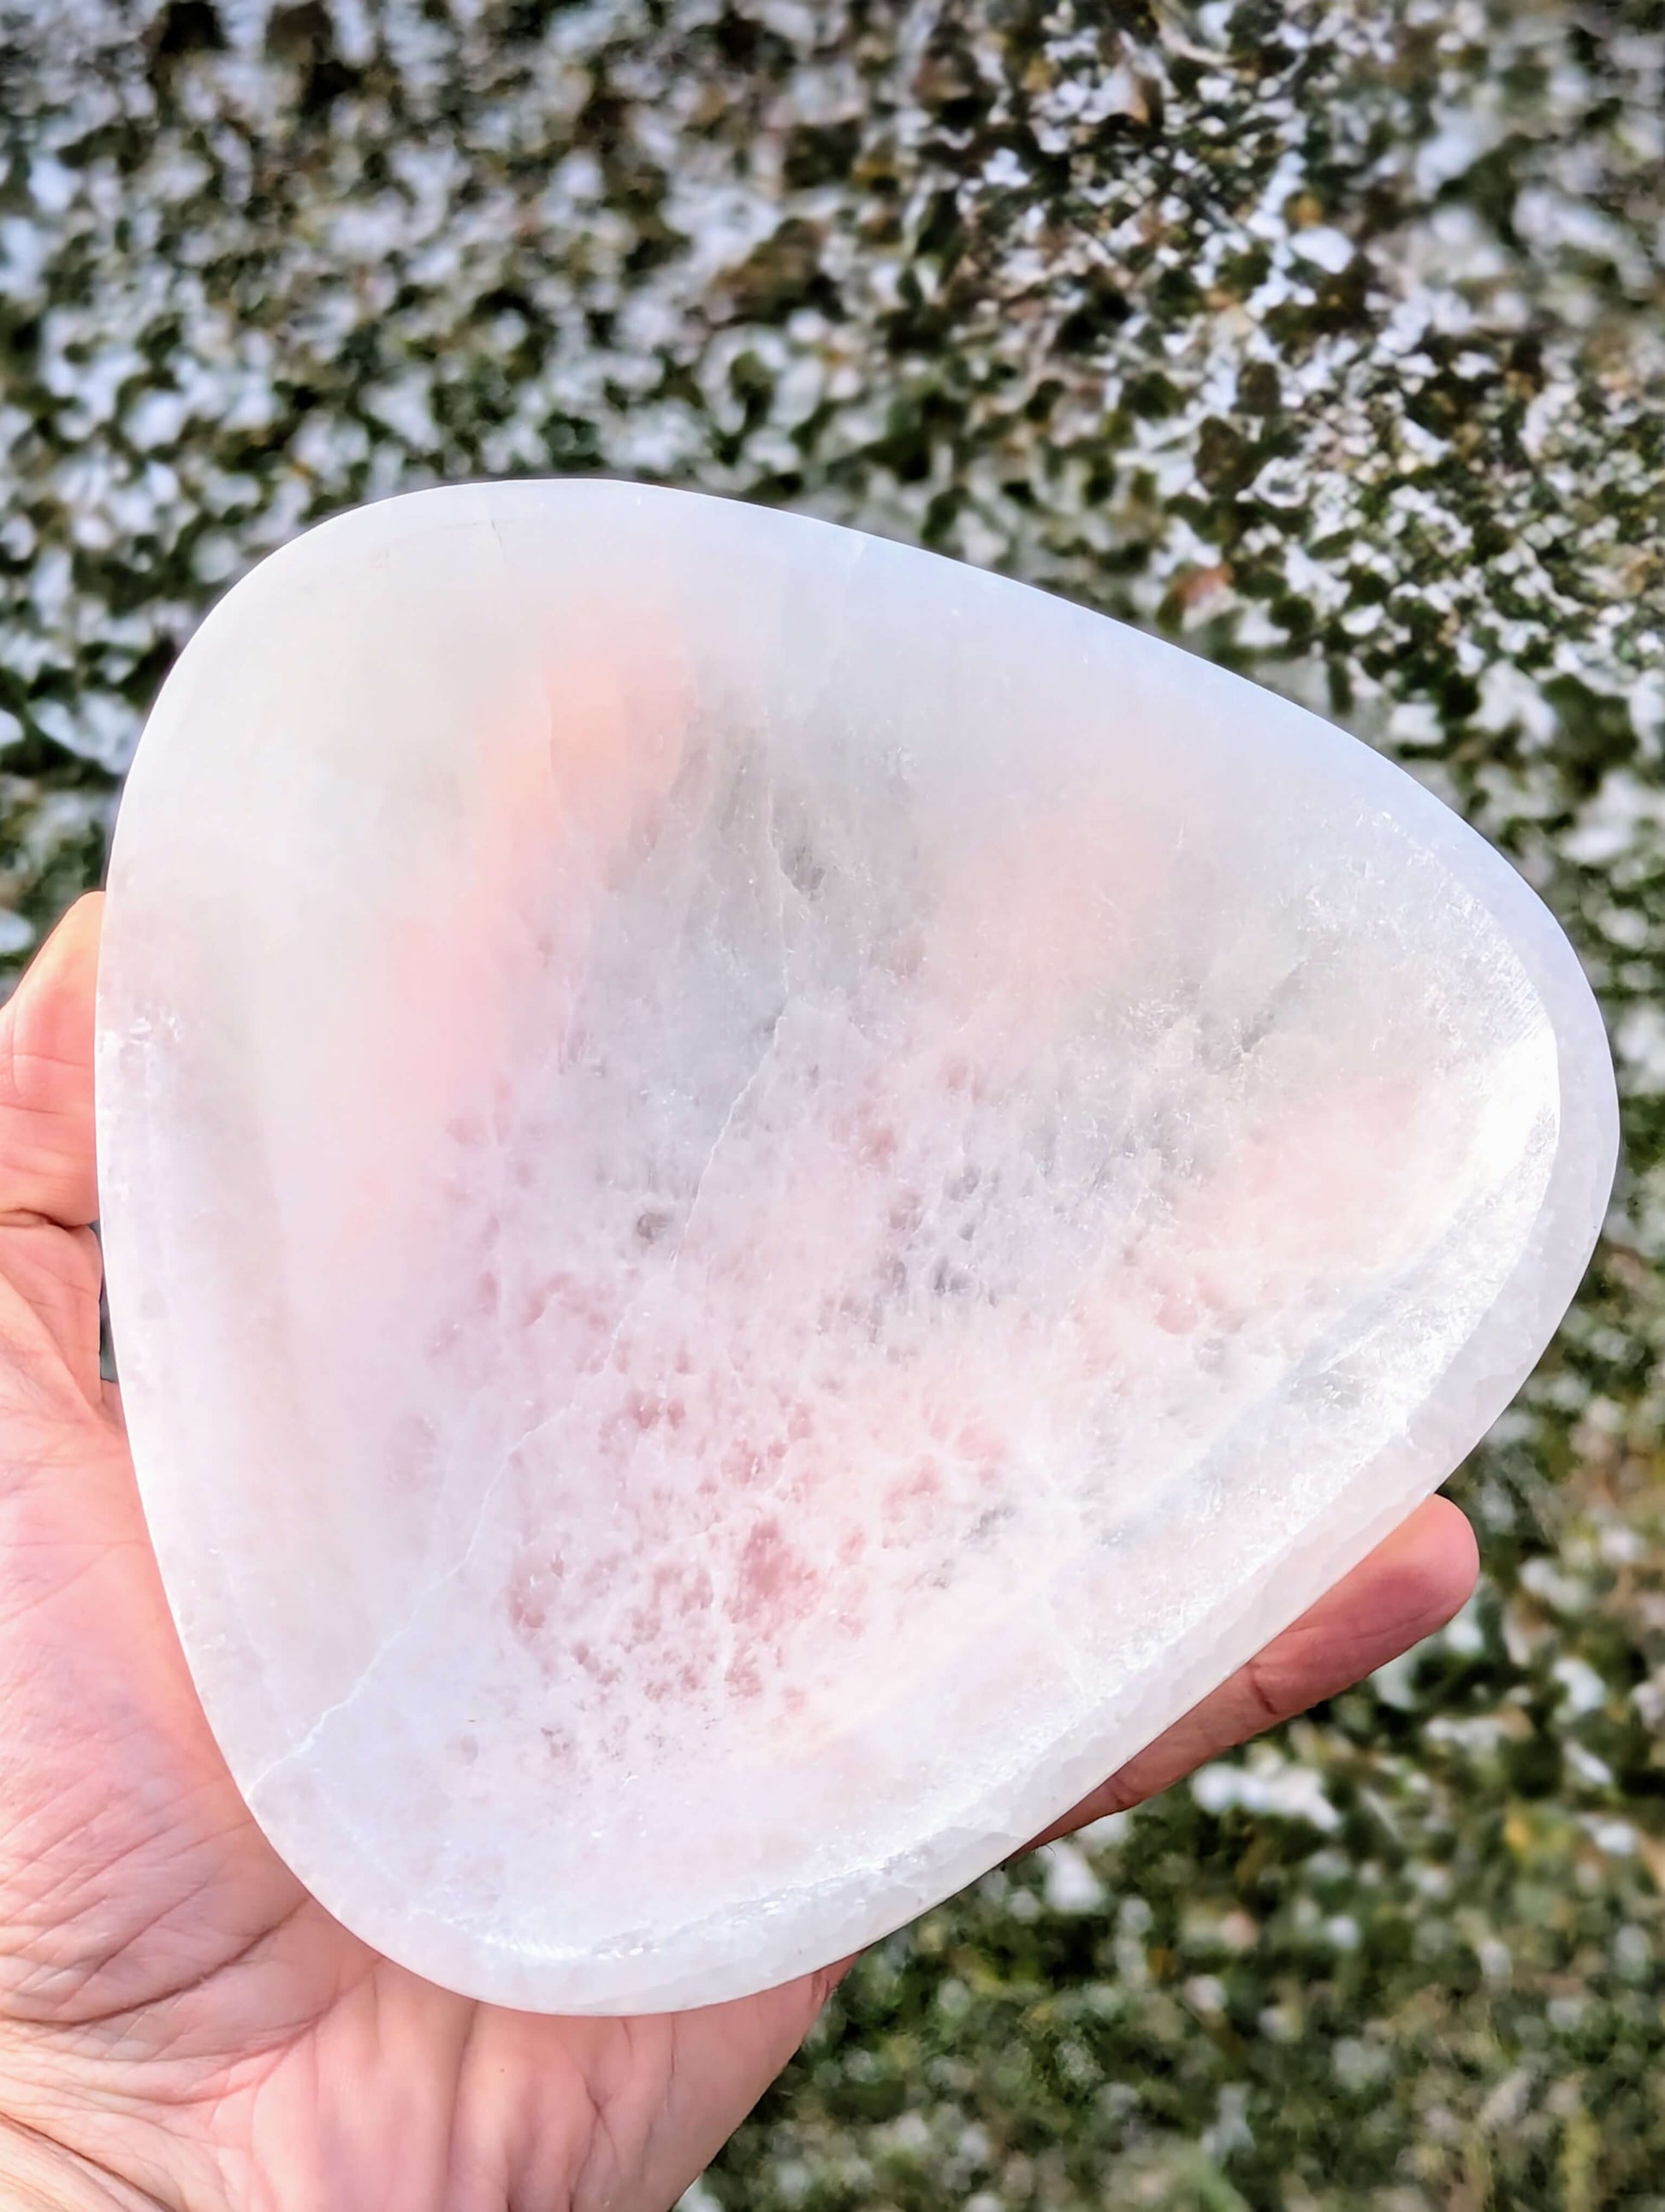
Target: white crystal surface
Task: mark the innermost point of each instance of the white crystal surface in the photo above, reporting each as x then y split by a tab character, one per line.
765	1199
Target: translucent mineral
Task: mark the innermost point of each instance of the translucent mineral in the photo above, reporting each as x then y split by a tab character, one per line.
765	1198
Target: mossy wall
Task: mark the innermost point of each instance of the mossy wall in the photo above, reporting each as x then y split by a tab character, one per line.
1328	338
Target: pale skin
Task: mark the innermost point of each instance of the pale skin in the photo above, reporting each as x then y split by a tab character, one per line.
180	2024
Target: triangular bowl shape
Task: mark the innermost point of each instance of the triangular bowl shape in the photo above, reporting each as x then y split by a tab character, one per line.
765	1198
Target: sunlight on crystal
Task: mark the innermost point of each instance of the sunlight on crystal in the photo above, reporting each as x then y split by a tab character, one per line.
767	1197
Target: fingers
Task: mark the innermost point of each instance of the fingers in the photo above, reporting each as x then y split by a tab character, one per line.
47	1166
1409	1586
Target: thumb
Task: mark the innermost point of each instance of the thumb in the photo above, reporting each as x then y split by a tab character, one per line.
48	1260
47	1166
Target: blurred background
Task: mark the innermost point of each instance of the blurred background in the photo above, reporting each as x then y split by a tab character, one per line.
1327	337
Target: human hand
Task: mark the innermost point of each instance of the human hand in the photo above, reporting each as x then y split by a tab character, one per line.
181	2024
